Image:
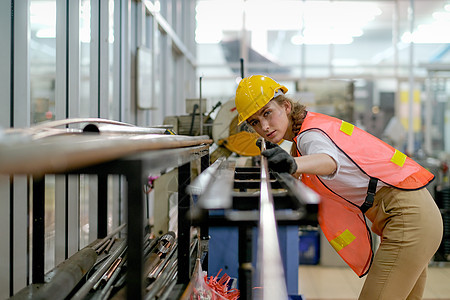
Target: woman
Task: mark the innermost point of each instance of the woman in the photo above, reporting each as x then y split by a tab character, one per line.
357	176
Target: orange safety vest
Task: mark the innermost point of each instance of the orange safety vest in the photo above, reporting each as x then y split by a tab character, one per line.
343	222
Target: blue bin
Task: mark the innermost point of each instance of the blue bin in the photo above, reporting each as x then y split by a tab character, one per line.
309	247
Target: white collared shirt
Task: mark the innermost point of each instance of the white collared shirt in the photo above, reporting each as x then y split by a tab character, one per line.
348	180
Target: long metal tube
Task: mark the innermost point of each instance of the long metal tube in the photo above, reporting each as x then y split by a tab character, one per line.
68	275
108	247
106	238
159	253
84	290
165	275
108	273
63	153
269	264
121	129
214	185
71	121
107	289
157	269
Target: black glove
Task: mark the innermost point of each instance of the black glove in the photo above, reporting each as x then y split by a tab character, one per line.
279	160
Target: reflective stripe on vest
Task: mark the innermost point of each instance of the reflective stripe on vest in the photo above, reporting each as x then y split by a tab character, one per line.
344	226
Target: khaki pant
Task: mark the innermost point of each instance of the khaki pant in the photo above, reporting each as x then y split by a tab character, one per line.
410	226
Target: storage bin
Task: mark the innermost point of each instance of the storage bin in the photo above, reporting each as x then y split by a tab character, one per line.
309	246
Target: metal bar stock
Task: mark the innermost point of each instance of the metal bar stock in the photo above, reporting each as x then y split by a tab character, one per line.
269	264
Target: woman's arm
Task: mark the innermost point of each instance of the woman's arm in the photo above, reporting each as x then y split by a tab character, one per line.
317	164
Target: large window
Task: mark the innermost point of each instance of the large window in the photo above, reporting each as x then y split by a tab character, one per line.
113	106
364	58
85	59
42	59
42	54
318	39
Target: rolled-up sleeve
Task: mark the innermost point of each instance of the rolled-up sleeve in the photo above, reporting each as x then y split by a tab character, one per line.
314	142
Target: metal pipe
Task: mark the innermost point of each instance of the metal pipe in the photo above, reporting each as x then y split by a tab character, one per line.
106	238
214	185
167	277
66	153
159	253
121	129
111	242
84	290
269	264
67	275
205	178
166	274
148	246
165	291
108	273
106	291
157	269
70	121
103	246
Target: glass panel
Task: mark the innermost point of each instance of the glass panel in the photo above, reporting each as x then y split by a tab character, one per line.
114	182
157	41
430	36
49	246
298	45
85	58
85	104
438	87
113	107
42	59
42	56
367	43
84	209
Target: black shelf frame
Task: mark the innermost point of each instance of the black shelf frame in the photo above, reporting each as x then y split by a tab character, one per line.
135	169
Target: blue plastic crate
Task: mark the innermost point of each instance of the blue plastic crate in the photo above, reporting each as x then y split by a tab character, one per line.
309	247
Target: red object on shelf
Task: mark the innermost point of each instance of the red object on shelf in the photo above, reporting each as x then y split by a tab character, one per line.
221	286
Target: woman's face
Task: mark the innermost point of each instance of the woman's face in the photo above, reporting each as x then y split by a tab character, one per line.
271	122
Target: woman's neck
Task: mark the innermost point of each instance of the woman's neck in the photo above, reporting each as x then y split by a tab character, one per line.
289	135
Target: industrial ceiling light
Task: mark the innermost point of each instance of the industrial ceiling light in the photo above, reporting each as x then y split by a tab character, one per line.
323	22
435	32
330	23
43	18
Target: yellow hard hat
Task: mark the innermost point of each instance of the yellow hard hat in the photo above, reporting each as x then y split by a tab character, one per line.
253	93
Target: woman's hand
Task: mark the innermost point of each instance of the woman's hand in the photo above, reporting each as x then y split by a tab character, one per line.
279	160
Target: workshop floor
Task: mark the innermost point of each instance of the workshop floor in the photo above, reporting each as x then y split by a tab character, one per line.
330	283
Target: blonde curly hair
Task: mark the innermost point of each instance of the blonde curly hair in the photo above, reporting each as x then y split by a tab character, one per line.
297	115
